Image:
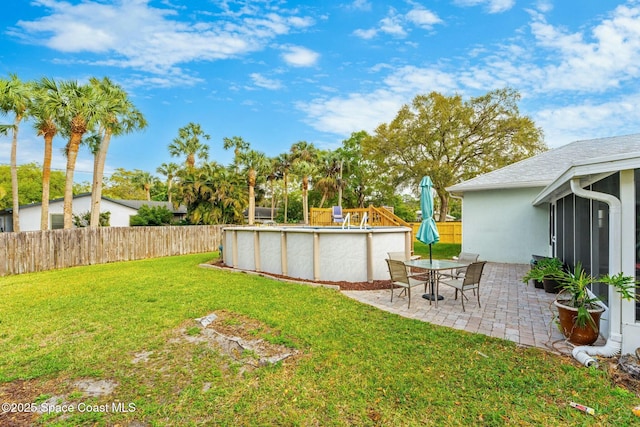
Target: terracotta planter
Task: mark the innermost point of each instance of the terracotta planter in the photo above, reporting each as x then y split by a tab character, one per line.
584	335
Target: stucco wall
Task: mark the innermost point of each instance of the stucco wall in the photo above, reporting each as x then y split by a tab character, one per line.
503	225
30	216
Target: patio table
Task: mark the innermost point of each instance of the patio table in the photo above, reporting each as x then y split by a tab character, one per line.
432	267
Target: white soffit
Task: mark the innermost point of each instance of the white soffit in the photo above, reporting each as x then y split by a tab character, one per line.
589	171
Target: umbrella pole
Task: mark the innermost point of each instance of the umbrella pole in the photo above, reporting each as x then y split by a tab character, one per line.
432	279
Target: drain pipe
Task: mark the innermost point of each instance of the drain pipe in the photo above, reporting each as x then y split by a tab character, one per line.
613	345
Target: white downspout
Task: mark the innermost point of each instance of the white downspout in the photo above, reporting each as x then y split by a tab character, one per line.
613	345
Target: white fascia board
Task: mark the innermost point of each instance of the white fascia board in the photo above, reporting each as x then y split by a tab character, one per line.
596	169
497	186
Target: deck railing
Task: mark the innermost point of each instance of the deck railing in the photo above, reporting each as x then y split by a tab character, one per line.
450	231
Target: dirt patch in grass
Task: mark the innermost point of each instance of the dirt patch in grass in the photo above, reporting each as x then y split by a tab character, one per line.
28	399
625	372
247	341
20	392
342	285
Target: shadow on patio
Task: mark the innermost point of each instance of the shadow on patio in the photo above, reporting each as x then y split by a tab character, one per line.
510	309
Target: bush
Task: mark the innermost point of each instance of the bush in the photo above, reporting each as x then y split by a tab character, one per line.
157	215
84	219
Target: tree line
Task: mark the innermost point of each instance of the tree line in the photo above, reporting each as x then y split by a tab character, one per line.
89	113
446	137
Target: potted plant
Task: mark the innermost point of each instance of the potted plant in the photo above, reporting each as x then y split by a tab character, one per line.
579	310
545	270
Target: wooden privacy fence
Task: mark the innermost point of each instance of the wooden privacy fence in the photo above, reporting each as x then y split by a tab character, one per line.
31	251
450	231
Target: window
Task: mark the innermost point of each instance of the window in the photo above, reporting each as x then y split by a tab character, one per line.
57	221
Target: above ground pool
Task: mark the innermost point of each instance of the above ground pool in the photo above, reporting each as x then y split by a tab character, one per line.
315	253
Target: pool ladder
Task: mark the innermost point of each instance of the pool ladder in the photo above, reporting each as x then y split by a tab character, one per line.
363	223
346	222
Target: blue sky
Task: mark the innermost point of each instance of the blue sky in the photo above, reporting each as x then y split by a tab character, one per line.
278	72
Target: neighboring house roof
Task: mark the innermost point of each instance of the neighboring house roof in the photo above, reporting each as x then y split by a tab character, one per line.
137	204
543	169
133	204
261	212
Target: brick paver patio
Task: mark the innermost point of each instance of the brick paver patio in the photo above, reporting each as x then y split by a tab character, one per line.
510	309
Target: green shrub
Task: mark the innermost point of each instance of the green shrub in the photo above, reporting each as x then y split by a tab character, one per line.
157	215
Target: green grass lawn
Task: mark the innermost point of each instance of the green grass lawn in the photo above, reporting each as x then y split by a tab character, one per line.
356	365
438	250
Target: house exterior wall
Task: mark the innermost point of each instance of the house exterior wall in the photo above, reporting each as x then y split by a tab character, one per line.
30	216
503	225
119	214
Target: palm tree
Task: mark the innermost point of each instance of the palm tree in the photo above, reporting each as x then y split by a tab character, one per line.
44	110
169	170
213	194
304	151
329	167
80	106
283	165
272	176
15	97
230	196
119	117
305	170
188	143
145	181
255	163
239	145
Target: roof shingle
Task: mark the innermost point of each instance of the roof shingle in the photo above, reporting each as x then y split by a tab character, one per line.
541	170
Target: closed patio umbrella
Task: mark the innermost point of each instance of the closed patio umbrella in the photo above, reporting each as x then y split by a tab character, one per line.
428	231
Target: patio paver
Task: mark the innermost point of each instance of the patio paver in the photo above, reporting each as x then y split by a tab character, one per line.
510	310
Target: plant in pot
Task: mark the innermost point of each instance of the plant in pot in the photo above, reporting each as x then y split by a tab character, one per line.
546	270
579	311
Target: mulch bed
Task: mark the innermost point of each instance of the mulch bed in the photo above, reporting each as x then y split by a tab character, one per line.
344	286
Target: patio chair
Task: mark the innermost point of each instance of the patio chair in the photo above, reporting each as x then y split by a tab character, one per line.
401	277
402	256
456	273
336	214
470	281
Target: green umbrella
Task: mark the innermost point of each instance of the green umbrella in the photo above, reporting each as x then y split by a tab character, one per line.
428	231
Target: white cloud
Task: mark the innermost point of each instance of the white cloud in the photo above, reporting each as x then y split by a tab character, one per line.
133	34
492	6
423	18
353	113
298	56
263	82
392	25
544	6
366	34
589	119
396	24
602	59
560	74
411	80
360	5
357	111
